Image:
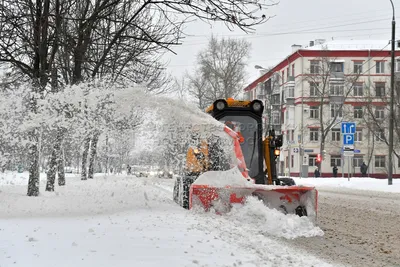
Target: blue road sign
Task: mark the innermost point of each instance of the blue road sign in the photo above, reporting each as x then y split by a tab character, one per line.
348	128
348	139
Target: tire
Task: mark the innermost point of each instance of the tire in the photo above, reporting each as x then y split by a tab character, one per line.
181	190
287	181
176	190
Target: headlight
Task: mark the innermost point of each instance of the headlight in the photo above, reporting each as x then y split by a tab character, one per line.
220	105
257	106
196	151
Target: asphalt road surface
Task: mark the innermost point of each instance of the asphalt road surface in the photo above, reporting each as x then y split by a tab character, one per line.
362	228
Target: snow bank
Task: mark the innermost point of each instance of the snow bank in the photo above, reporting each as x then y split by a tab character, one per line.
232	177
354	183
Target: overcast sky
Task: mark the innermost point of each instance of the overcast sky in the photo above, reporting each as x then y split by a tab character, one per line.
294	22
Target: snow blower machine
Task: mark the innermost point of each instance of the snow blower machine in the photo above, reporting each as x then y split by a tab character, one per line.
216	180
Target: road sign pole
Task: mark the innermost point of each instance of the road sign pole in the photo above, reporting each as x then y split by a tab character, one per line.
343	159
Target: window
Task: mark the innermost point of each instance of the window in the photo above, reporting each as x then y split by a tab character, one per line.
379	112
336	67
357	161
380	161
379	89
314	112
380	135
275	118
293	70
283	76
314	89
336	160
397	68
314	134
358	66
336	89
336	111
358	112
312	160
335	134
358	89
287	73
380	67
275	99
290	91
314	66
292	135
358	136
292	161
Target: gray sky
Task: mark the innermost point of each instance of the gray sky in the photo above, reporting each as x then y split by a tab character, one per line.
294	22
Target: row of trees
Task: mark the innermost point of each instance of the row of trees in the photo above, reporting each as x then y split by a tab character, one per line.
49	45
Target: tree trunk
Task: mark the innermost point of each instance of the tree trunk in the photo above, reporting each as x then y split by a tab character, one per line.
60	157
51	173
86	144
33	184
92	157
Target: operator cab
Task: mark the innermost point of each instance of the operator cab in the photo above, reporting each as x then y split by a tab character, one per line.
245	118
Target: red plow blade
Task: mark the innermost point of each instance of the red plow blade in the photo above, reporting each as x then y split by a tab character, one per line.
289	199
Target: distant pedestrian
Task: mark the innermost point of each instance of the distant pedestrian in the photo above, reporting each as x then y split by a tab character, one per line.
129	169
363	169
316	173
334	170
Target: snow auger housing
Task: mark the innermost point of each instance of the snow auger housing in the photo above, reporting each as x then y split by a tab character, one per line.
257	163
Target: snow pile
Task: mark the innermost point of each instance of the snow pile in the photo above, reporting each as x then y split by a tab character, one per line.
271	222
232	177
370	184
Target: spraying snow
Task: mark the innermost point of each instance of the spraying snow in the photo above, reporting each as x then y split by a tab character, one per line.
232	177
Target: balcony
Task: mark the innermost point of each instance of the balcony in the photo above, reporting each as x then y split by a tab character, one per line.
289	94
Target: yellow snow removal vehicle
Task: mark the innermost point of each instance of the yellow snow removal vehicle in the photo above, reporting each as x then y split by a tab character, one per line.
212	180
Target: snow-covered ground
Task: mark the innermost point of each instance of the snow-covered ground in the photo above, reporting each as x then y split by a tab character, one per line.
352	183
128	221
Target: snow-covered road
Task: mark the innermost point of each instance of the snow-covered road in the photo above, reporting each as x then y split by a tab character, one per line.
362	228
127	221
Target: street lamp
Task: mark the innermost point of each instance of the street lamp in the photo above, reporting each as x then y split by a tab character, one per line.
391	121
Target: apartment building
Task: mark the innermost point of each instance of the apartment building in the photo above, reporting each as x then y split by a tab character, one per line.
313	90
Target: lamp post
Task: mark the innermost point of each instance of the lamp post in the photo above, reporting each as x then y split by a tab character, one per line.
391	121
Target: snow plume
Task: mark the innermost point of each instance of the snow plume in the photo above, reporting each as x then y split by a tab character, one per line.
133	124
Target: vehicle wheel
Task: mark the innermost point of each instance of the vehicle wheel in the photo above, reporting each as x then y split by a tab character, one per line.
301	211
176	190
287	181
185	192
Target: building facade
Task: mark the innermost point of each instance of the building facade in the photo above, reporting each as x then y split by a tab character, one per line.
311	92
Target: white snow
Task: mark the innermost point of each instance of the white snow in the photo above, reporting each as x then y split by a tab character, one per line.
231	177
352	183
352	45
128	221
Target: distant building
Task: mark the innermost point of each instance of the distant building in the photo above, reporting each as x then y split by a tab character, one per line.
350	80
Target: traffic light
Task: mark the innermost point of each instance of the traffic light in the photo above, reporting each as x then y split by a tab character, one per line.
319	159
279	140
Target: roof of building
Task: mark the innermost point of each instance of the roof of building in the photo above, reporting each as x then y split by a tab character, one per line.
334	48
352	45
